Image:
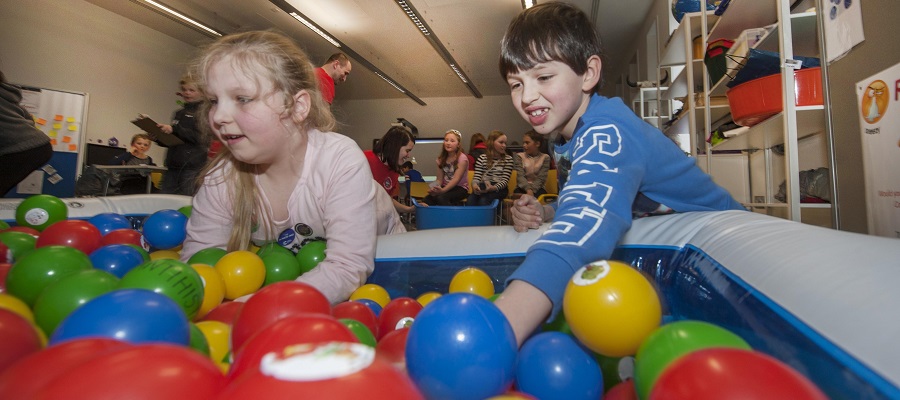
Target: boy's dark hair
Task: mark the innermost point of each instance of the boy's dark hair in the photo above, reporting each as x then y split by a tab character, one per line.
553	31
407	165
388	148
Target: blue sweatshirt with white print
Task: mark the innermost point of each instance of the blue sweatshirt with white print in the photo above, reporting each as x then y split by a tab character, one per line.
616	167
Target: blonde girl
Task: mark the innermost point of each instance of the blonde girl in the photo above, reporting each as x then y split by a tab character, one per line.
452	166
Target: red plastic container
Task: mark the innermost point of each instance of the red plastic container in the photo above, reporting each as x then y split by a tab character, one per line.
755	101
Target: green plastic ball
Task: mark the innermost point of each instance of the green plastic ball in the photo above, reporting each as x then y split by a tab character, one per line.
198	340
39	268
208	256
360	330
18	243
41	211
60	298
186	210
281	265
169	277
310	255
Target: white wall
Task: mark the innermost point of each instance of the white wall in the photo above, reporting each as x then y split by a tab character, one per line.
365	120
124	67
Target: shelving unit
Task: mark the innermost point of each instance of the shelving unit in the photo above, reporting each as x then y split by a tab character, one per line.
652	106
795	33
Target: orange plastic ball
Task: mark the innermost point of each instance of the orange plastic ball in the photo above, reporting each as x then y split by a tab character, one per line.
472	280
611	308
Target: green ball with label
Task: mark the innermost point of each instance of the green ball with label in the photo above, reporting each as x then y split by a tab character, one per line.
41	211
172	278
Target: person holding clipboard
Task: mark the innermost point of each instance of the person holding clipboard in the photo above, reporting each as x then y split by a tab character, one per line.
185	160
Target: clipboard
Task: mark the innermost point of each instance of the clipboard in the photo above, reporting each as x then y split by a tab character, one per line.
157	135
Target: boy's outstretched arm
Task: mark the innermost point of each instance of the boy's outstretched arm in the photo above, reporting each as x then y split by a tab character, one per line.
525	307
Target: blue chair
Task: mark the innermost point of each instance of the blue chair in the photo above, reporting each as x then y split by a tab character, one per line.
433	217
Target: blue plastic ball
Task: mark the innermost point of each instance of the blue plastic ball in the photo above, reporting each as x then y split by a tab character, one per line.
131	315
165	229
461	347
680	7
372	304
108	222
117	259
551	365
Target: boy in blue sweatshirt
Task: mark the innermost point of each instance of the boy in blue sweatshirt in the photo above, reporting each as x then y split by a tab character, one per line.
611	165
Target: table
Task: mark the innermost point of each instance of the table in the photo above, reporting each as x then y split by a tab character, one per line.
148	169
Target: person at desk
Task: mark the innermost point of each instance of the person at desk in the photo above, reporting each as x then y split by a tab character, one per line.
185	161
133	182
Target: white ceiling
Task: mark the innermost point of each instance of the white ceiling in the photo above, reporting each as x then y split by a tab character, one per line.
380	31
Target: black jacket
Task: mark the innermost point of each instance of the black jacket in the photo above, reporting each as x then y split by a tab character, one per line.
191	154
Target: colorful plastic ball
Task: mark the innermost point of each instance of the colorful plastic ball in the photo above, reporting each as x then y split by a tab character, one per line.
372	292
132	315
281	264
123	236
61	298
615	370
275	302
38	268
160	371
357	311
164	255
392	348
165	229
213	289
173	278
29	375
622	296
218	337
461	347
198	340
3	225
243	272
622	391
18	338
397	314
730	373
372	304
24	229
72	233
427	297
551	365
4	271
288	331
18	244
186	210
208	256
227	312
41	211
324	370
674	340
12	303
362	332
310	255
108	222
117	259
472	280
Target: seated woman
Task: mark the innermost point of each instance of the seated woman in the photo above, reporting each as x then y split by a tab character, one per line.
134	182
492	171
452	185
531	167
385	159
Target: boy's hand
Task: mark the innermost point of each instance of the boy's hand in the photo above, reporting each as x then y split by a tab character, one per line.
527	213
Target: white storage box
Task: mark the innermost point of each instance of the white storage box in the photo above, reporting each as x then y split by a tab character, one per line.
734	59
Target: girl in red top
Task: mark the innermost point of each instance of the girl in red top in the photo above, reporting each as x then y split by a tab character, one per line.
390	152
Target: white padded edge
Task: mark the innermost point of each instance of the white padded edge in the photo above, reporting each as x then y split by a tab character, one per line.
457	242
86	207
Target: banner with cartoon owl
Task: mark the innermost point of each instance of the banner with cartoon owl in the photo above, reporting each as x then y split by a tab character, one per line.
879	120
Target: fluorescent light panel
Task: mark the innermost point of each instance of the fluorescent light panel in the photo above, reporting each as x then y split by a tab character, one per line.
526	4
315	29
181	17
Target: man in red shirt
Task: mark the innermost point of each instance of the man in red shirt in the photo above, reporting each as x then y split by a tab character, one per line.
334	72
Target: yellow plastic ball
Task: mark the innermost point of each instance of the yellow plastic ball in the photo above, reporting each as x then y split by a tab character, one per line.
427	297
164	255
472	280
213	288
218	336
14	304
372	292
242	271
611	308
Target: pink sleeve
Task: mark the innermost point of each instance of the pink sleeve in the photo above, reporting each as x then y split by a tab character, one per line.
211	216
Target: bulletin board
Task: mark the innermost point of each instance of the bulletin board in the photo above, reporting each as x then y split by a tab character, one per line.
61	115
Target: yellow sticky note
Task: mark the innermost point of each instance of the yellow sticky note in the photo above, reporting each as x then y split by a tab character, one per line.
70	120
57	126
67	139
73	147
40	121
58	117
73	128
52	134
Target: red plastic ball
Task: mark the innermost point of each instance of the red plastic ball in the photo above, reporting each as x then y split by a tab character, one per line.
392	348
24	229
398	313
226	312
357	311
274	302
78	234
293	330
123	236
18	338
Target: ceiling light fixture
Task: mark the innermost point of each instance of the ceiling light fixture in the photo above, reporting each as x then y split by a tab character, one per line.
315	29
179	17
293	12
429	34
526	4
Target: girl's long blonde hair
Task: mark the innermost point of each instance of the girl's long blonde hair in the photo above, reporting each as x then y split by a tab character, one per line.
259	55
491	154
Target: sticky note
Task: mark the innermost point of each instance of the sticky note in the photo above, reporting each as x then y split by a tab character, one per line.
58	117
70	120
40	121
57	126
73	128
53	134
53	142
67	139
73	147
